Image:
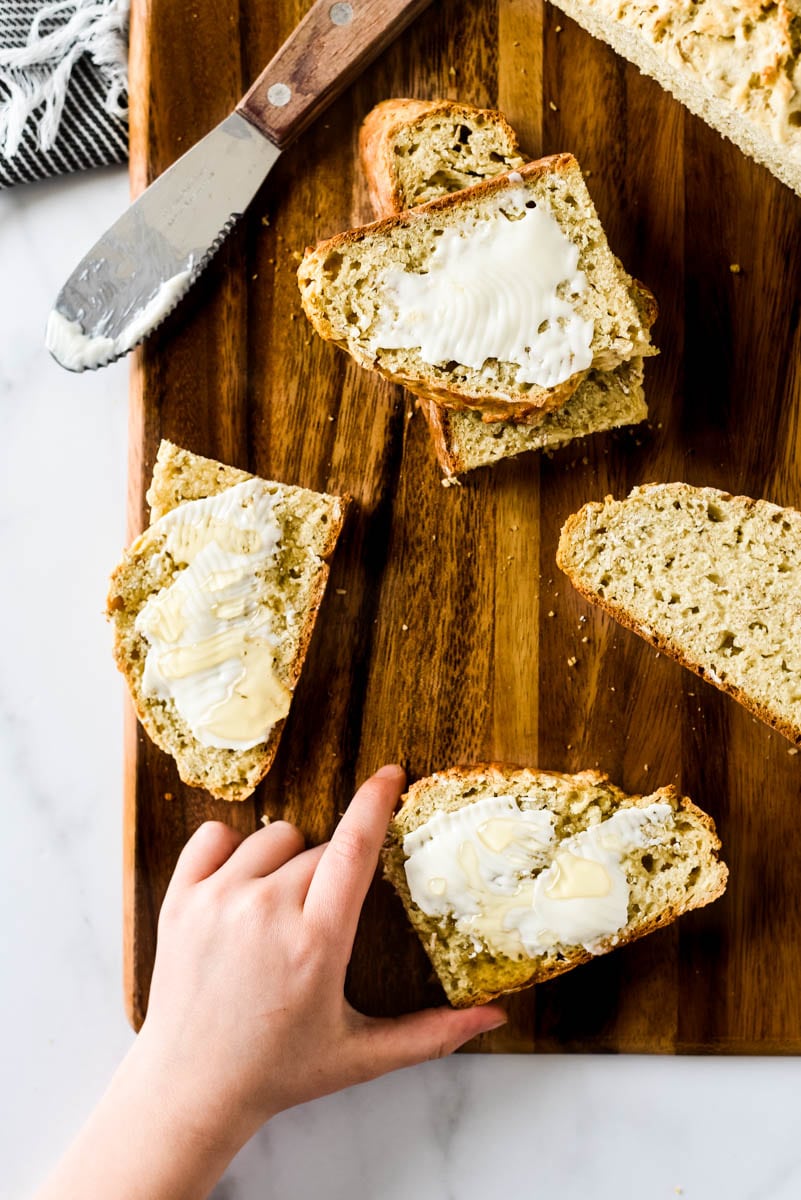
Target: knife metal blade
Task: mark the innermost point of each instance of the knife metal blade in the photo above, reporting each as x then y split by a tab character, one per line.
135	275
139	270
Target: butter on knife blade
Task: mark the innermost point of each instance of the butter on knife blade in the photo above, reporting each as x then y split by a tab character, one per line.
142	266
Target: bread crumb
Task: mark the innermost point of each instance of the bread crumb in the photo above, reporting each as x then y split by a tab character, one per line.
265	820
585	639
168	796
341	591
404	628
559	30
265	221
551	613
571	662
451	481
451	71
645	767
735	268
793	750
330	418
552	106
254	276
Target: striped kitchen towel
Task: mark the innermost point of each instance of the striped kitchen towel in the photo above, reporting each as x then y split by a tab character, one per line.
63	86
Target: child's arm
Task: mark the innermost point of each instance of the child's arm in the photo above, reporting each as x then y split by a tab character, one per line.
247	1014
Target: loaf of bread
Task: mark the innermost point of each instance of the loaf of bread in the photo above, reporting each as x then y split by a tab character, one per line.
498	298
512	876
735	63
413	151
713	580
213	608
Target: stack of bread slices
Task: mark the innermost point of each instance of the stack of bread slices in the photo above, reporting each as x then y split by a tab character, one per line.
487	287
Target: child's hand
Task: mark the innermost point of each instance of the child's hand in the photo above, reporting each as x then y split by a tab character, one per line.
247	1014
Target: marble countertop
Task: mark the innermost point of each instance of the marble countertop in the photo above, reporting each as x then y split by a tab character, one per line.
622	1128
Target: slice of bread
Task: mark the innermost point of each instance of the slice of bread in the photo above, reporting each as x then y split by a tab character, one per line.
280	594
605	400
418	150
351	284
516	878
733	63
713	580
413	151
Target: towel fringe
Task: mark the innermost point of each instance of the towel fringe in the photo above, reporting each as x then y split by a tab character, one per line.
36	76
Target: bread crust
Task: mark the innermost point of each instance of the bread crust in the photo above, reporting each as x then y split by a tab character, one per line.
393	860
378	132
160	502
663	645
541	400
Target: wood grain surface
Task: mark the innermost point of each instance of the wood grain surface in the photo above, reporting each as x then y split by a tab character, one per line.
446	632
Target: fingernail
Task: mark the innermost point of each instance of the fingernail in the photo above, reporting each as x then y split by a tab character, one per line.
390	771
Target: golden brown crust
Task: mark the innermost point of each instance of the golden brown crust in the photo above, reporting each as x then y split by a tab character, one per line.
378	133
664	645
459	997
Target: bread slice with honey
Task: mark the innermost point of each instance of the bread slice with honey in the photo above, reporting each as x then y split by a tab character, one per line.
511	876
213	608
498	298
713	580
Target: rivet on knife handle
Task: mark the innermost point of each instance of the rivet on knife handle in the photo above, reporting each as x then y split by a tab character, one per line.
329	48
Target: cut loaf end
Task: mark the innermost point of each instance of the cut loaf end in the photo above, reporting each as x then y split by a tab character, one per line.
509	864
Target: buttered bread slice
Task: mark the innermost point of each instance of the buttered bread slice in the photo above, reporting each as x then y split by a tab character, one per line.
413	151
213	608
499	298
511	876
712	579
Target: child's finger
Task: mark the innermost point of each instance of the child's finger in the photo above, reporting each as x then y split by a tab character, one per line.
208	848
344	874
432	1033
297	874
265	851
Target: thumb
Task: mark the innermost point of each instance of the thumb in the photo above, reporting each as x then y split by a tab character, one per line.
397	1042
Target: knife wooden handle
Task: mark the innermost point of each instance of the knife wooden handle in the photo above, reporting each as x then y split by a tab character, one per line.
332	45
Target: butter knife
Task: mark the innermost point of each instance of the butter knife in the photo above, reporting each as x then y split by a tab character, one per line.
136	274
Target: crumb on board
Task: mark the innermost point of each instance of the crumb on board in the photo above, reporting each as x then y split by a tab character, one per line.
341	591
735	268
552	106
265	820
551	613
571	662
168	796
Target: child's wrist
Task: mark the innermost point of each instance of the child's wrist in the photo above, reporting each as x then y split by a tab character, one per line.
201	1123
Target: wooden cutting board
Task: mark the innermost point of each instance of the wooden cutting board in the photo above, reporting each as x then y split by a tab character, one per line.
447	630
